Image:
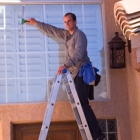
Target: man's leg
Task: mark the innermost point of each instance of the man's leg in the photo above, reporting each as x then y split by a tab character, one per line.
82	91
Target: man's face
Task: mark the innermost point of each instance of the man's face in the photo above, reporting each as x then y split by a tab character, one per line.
69	23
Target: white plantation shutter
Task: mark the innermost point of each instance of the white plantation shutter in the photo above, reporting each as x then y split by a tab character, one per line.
36	65
36	56
93	30
54	15
22	65
56	47
37	89
2	66
1	16
2	43
35	41
2	91
54	63
16	90
10	18
29	61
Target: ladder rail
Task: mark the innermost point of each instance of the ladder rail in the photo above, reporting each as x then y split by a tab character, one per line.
50	108
77	116
78	111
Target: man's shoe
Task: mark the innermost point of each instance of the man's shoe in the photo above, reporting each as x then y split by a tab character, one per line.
102	137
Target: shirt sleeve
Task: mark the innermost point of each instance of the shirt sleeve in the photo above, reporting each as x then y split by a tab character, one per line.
80	51
49	29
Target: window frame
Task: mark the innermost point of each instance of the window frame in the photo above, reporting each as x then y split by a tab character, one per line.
14	2
52	2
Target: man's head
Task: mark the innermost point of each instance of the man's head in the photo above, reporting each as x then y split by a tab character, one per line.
70	22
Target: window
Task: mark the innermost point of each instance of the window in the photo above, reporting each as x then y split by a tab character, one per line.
109	127
29	59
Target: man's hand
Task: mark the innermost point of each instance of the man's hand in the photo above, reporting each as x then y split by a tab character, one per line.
60	69
31	21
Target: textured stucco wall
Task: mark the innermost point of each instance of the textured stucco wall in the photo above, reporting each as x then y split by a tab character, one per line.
27	113
125	90
133	85
123	105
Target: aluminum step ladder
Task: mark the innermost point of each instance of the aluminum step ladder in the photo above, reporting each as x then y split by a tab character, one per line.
75	104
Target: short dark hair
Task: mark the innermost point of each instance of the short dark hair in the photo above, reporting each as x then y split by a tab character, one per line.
73	16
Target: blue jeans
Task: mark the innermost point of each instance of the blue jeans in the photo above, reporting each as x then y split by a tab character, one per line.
83	90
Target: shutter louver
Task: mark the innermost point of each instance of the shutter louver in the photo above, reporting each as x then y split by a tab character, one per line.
93	31
2	10
36	65
2	91
37	89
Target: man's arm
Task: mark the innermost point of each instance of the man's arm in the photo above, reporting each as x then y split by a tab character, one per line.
57	32
61	33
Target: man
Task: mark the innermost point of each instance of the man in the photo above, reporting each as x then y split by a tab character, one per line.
77	61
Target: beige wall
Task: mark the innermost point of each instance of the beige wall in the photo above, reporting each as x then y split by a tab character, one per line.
125	89
123	105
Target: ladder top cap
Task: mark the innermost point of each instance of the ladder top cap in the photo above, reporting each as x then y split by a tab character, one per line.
64	70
